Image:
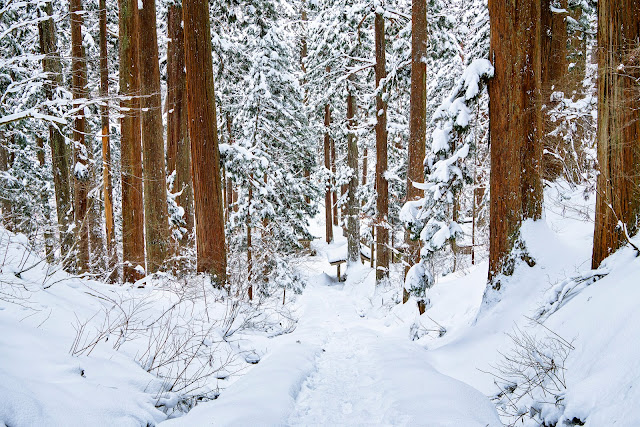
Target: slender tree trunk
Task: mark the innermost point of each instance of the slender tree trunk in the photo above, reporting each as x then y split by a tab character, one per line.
211	249
353	208
131	146
382	203
618	188
333	181
516	153
249	244
81	169
60	155
230	192
94	218
418	117
554	80
112	250
327	164
7	211
156	223
44	200
178	131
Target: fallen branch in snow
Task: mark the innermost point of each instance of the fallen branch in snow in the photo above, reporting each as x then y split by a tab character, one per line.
563	292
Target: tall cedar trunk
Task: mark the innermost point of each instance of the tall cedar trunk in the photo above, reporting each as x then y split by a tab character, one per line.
418	118
327	165
529	16
131	146
81	173
60	156
382	202
618	188
46	210
156	223
353	209
177	129
112	250
516	188
211	249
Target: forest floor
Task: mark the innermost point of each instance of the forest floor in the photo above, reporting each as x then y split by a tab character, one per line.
342	353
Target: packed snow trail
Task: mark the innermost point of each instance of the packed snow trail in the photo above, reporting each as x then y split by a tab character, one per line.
340	368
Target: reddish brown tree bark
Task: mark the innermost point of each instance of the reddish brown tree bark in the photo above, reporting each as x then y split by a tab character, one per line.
81	172
211	249
131	145
156	223
112	250
618	188
516	152
382	202
178	143
418	116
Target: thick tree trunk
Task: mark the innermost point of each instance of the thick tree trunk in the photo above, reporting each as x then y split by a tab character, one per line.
382	203
112	249
327	164
177	130
156	223
618	188
131	146
353	208
81	168
211	249
516	187
60	156
418	117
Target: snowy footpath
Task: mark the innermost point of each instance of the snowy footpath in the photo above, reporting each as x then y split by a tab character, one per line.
341	368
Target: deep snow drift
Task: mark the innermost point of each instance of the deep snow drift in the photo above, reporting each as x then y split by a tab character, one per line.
349	359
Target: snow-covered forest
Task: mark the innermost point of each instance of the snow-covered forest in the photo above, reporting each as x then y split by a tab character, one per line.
319	212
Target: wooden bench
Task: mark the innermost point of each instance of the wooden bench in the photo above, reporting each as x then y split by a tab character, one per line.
336	257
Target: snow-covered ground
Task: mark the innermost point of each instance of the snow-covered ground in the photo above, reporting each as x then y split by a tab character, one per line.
350	359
